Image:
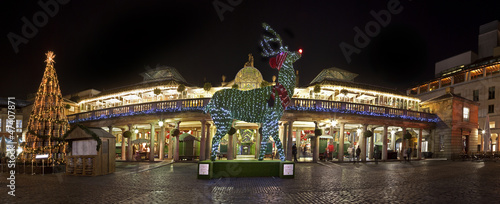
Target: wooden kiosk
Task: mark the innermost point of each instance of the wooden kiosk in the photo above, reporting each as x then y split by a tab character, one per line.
92	151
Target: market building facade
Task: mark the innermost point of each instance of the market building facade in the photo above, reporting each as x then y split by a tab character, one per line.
333	102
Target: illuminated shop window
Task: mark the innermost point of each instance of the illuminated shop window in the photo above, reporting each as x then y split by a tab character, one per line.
466	114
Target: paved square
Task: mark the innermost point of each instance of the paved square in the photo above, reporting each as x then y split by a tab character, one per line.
390	182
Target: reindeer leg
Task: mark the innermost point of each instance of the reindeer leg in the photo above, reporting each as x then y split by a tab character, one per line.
263	143
274	132
223	127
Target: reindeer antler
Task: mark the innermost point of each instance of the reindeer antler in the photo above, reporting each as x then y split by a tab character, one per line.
267	50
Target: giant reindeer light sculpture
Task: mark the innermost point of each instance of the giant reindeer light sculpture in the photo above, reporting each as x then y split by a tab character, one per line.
257	105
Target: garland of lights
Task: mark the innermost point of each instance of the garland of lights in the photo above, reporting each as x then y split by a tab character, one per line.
346	111
257	105
153	111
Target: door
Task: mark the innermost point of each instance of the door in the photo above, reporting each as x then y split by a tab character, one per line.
465	144
105	157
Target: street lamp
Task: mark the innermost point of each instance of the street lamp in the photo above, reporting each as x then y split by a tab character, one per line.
334	123
160	123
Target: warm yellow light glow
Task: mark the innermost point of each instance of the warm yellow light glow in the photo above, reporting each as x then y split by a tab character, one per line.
50	57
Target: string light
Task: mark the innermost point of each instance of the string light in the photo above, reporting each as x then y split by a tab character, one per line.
346	111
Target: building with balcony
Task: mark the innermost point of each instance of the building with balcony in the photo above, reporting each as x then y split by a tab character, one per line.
333	102
471	76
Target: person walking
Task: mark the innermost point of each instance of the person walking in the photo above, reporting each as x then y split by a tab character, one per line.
294	152
358	153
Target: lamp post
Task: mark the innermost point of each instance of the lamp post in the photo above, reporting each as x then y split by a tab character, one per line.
482	140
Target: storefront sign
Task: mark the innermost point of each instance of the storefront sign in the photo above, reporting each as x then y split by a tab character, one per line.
203	169
288	169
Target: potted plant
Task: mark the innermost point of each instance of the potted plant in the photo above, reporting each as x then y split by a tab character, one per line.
407	136
344	92
127	134
317	88
180	89
157	91
175	132
318	132
368	133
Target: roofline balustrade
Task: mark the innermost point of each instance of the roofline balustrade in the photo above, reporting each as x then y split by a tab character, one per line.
197	105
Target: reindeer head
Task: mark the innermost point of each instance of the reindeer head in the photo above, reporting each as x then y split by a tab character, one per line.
269	50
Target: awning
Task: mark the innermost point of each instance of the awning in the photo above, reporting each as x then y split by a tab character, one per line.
131	97
366	97
140	141
113	100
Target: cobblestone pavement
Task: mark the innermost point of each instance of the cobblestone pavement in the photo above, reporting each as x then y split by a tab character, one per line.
391	182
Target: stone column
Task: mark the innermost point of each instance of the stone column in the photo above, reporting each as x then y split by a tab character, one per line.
161	143
419	144
372	143
289	155
298	132
203	140
482	141
230	148
124	151
110	130
257	142
176	151
362	140
285	140
152	143
403	144
129	141
340	155
393	141
170	153
316	144
210	132
384	144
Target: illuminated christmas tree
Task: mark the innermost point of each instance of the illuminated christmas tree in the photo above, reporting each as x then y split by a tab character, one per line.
47	123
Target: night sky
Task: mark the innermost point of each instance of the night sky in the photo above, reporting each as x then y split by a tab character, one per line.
106	44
